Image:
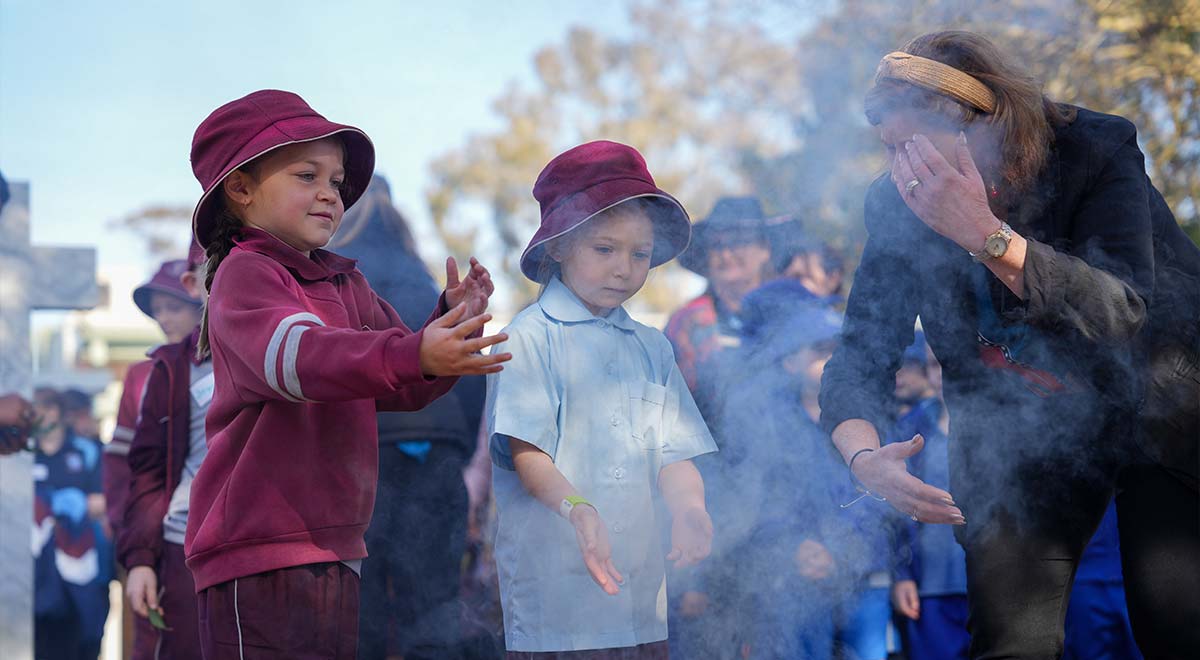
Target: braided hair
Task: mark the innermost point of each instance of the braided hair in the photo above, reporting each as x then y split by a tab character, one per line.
228	227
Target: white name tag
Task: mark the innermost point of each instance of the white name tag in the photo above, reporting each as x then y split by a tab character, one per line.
202	390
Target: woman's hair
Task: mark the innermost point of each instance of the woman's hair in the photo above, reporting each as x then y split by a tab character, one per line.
228	227
1024	119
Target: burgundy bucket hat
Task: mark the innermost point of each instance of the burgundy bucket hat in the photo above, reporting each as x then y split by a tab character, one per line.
167	281
242	130
196	256
583	181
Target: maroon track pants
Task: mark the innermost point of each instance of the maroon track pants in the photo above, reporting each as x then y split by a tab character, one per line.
178	600
305	612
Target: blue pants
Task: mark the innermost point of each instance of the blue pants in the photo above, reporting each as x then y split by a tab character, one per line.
941	632
864	621
1098	624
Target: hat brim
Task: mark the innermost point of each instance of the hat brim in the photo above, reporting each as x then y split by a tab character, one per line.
359	163
672	227
143	294
773	231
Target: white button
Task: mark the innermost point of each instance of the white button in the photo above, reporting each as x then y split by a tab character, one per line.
602	323
616	421
619	473
618	528
611	368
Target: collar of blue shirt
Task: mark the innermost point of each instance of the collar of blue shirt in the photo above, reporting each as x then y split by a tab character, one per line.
561	304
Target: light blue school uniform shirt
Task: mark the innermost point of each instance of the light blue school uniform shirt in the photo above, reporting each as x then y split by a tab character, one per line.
605	400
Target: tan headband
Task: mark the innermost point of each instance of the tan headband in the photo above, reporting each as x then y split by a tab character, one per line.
937	77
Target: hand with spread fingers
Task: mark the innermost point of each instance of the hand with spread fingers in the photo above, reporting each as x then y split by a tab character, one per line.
475	289
885	473
950	198
447	348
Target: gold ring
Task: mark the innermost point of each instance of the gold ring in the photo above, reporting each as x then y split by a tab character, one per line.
908	187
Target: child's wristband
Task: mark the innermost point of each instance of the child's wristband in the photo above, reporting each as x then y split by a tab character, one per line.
570	502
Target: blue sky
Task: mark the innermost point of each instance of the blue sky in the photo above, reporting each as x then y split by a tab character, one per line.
99	100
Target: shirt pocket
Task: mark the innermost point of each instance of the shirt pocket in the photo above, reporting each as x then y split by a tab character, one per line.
647	401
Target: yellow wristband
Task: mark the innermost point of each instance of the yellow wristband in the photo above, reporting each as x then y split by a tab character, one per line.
570	502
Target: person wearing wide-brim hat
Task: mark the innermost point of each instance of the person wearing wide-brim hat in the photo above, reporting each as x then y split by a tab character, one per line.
165	299
736	248
592	421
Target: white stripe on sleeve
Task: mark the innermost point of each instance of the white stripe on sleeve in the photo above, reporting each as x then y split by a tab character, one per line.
291	347
272	356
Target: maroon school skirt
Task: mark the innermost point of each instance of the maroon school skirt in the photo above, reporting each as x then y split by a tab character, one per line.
305	612
654	651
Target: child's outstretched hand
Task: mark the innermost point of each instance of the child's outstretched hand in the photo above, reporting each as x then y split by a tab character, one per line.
474	289
691	537
447	351
593	544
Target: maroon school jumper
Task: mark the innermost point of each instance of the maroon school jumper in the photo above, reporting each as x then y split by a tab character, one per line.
156	459
304	354
114	465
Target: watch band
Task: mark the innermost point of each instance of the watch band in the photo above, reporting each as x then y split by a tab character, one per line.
570	502
1004	232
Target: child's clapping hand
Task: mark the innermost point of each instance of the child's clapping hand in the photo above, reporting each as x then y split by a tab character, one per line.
474	289
448	350
593	544
691	537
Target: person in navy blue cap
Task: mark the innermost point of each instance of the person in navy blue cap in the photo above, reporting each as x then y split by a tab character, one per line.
736	249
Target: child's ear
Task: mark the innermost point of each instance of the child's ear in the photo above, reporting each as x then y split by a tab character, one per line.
237	187
191	283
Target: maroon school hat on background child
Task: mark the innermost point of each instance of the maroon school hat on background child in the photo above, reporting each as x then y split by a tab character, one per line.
242	130
583	181
196	256
167	281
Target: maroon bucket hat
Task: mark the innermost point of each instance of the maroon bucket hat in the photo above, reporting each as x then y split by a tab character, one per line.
594	177
196	256
242	130
167	281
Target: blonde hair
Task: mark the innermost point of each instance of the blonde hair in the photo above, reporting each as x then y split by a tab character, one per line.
549	267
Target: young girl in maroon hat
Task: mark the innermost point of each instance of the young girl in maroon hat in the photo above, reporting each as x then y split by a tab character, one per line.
176	310
167	447
592	421
304	354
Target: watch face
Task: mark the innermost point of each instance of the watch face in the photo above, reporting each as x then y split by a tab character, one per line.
996	246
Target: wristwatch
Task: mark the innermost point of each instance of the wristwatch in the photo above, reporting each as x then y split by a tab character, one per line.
995	245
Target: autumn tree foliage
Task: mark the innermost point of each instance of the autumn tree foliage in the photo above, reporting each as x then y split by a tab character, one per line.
765	98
